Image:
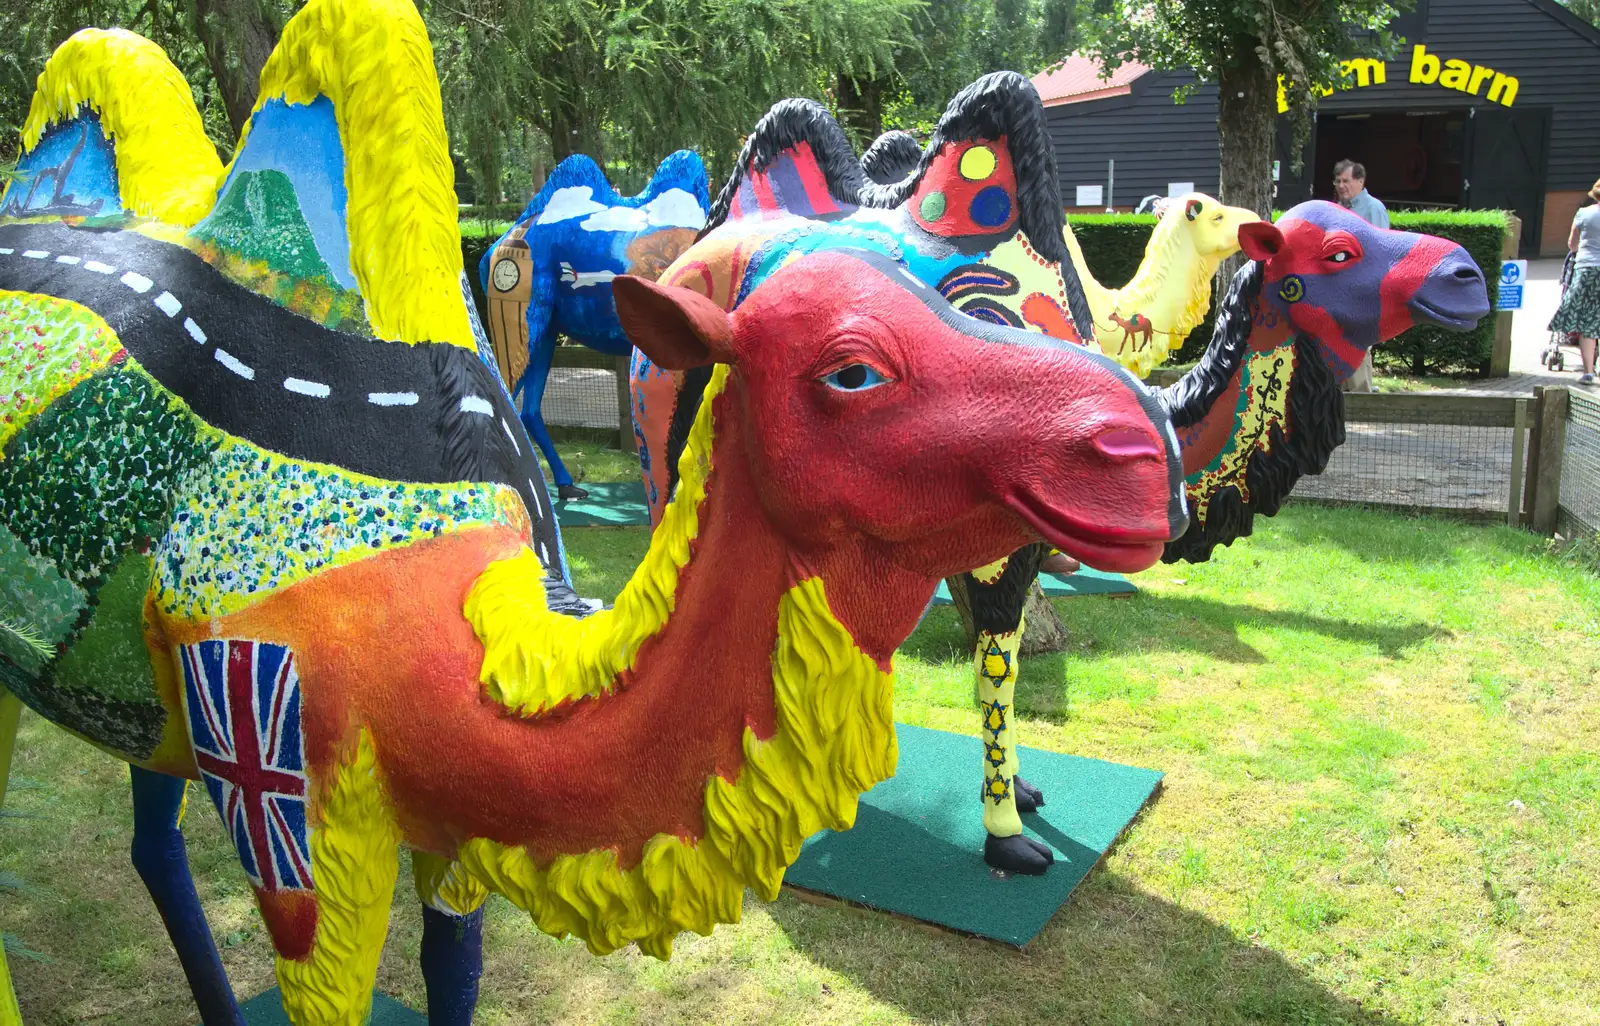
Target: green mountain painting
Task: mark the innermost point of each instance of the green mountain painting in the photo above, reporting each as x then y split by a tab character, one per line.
259	219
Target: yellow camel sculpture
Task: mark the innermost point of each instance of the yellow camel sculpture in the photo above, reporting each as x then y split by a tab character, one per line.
1139	324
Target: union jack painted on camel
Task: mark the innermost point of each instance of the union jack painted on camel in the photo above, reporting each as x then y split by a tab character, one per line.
244	719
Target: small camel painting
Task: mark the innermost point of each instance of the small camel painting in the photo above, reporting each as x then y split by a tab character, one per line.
1138	324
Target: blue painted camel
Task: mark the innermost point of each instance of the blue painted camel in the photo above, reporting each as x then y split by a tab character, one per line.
551	273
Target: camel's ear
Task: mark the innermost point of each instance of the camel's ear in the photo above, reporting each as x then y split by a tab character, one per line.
676	328
1260	240
1192	209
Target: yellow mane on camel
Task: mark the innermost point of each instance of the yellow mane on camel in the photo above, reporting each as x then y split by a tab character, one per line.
372	58
834	739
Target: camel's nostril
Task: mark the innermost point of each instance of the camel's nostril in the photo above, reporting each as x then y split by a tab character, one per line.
1128	442
1468	273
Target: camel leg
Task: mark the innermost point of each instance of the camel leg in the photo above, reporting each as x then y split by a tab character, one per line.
1005	847
162	861
540	358
10	711
452	937
327	972
998	594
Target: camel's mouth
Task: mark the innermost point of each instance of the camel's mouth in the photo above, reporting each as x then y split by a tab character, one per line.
1116	549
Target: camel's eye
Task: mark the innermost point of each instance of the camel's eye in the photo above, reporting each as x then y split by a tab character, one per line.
1343	256
855	377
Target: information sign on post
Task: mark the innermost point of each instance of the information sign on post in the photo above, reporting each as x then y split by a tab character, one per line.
1513	273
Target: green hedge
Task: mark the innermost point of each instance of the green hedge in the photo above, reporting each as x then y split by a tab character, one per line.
1113	245
1482	234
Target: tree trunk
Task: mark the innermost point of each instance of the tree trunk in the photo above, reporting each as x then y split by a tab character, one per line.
1042	629
860	106
1247	114
238	37
572	132
1246	117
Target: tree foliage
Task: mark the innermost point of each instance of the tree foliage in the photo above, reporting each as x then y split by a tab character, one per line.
1245	47
627	82
1588	10
526	82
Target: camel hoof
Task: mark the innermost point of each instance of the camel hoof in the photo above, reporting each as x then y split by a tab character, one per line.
1017	854
565	492
1029	798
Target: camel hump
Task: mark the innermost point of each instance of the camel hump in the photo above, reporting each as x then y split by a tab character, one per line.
891	157
676	197
342	176
112	130
989	173
797	163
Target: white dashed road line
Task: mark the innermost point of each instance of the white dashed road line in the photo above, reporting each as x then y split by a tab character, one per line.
172	306
315	389
228	360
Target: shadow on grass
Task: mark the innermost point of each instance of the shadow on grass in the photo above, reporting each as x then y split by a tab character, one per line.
1156	623
1113	955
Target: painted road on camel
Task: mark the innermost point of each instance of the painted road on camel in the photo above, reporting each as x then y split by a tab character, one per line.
241	361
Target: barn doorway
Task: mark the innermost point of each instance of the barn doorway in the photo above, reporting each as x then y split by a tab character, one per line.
1415	160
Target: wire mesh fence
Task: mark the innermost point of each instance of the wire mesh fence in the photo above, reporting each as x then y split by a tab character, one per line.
1461	455
1580	468
582	389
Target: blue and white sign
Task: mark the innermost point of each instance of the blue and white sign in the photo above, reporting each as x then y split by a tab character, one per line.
1513	273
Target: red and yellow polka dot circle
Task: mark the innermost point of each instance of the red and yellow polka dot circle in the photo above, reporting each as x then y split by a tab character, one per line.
970	189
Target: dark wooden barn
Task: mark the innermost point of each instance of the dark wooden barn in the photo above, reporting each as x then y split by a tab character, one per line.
1489	103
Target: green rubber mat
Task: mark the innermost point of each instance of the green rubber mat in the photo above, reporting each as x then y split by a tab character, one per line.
917	846
610	504
266	1009
1084	582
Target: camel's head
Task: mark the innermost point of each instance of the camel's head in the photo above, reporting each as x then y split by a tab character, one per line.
875	413
1211	227
1351	285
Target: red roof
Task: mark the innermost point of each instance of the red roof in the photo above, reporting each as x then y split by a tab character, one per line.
1078	79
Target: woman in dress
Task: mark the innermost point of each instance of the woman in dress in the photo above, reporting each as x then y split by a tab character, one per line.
1579	311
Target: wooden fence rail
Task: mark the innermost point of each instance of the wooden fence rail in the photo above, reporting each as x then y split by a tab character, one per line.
1532	493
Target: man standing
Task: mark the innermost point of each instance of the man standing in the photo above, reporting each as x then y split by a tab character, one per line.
1350	183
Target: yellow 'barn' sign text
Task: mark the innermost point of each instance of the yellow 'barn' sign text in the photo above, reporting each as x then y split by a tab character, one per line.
1426	69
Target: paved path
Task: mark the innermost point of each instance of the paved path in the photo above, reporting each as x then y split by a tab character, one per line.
1530	335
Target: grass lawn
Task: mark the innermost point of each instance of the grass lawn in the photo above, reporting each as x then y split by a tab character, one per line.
1381	806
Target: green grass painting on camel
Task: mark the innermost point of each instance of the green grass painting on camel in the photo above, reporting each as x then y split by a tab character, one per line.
1381	806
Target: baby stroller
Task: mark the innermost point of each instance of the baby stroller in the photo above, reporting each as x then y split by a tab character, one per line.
1553	357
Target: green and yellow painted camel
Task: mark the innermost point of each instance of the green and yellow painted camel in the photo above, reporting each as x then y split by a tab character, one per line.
275	526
